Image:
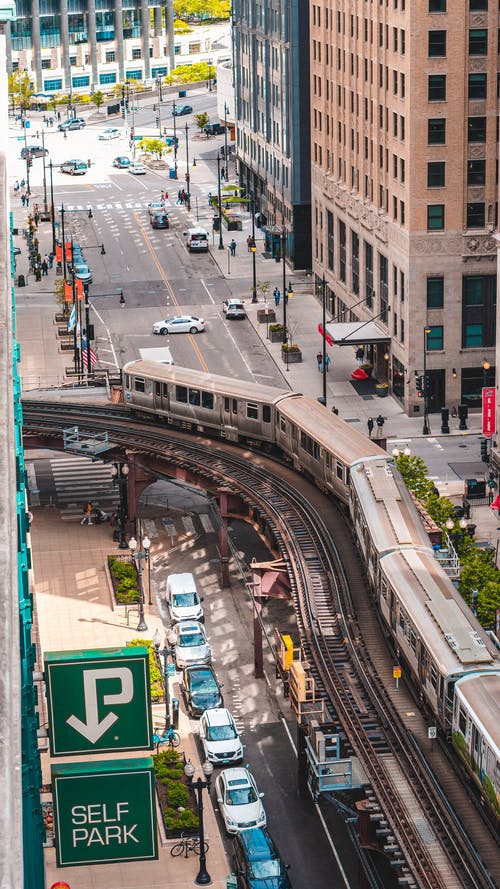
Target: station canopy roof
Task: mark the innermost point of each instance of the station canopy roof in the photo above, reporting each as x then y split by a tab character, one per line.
357	333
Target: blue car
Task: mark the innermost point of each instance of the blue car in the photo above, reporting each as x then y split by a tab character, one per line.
201	689
121	162
256	861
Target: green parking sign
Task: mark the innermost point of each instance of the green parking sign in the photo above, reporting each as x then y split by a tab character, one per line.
98	701
104	812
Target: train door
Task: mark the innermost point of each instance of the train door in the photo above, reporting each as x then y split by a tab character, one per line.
230	421
393	603
157	395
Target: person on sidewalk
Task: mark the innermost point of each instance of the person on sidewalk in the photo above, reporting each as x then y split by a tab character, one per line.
249	243
327	363
370	424
232	247
276	295
380	425
319	359
45	268
16	187
51	260
87	513
23	199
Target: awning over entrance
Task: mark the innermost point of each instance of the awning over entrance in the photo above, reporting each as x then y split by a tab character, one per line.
357	333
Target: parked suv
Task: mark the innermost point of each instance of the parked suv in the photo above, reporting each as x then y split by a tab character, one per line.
234	308
33	151
75	123
214	129
256	861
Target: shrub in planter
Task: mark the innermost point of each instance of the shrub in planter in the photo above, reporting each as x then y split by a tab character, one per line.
125	581
290	347
155	681
177	794
275	328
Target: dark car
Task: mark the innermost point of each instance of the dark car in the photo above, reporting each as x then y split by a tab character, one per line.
214	129
159	220
75	123
182	109
256	861
33	151
201	689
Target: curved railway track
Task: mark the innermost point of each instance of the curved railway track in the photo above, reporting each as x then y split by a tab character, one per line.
439	856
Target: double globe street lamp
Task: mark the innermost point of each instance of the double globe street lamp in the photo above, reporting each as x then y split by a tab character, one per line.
137	559
197	787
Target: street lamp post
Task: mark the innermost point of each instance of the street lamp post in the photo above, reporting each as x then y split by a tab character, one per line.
253	248
187	169
175	139
137	559
119	472
219	201
225	141
284	291
89	333
323	317
197	787
427	429
163	653
52	212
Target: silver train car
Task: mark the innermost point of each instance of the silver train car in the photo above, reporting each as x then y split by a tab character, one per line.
476	718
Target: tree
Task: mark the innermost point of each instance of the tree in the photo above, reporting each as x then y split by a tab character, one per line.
20	89
203	9
152	146
98	99
201	120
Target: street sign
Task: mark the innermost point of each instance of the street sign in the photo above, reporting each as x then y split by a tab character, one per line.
431	732
104	812
98	701
489	410
396	672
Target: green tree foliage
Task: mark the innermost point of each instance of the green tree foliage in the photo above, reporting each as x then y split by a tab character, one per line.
20	90
203	9
190	73
201	120
152	146
98	99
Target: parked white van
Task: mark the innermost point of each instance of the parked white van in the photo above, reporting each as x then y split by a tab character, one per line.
197	240
183	601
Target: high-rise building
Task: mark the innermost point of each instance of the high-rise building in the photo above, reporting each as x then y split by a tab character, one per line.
404	186
90	44
271	81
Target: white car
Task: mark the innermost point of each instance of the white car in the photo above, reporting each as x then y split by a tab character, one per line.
137	168
234	308
219	737
239	800
179	324
110	133
183	601
156	207
191	644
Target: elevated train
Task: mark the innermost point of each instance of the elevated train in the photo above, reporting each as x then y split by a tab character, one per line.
451	658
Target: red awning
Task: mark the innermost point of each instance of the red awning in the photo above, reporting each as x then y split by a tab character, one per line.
496	503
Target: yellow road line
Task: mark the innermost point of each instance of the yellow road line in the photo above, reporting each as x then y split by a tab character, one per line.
168	285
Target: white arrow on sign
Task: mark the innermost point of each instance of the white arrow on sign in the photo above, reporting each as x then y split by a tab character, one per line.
92	729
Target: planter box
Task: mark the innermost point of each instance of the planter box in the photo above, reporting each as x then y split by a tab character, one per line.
276	336
382	392
294	357
268	317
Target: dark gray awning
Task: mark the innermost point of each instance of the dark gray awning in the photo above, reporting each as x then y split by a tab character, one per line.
357	333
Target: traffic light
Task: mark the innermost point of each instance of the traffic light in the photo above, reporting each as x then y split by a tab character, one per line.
123	111
419	386
427	383
484	450
29	161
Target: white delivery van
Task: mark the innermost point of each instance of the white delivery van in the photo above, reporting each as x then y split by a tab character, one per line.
183	601
197	240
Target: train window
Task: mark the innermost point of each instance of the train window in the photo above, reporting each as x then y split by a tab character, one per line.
234	407
282	425
252	411
127	381
462	722
164	390
207	400
328	460
347	476
340	470
194	397
139	384
226	405
383	588
402	618
181	394
266	413
157	388
413	640
433	676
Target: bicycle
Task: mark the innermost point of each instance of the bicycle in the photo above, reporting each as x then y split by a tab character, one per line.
188	844
171	737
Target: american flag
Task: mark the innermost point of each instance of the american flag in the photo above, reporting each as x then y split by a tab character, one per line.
93	356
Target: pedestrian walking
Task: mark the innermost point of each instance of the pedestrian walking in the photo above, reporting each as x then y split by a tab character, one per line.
276	295
51	260
87	513
23	199
22	183
319	359
249	243
179	197
46	258
65	134
59	115
36	218
232	247
162	197
327	362
370	425
45	268
209	198
27	198
380	425
16	186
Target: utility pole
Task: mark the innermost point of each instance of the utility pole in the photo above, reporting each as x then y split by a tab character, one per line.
188	177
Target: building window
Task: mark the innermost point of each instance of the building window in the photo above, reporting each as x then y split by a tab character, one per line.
437	88
331	256
476	129
107	78
72	60
473	290
435	292
437	5
437	44
383	285
84	80
136	54
473	336
475	215
478	42
476	172
477	86
435	174
368	274
355	262
478	5
434	340
342	245
435	217
51	86
134	75
436	131
46	63
110	55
